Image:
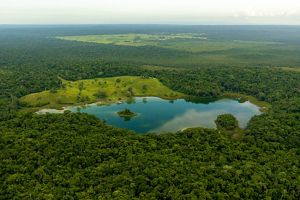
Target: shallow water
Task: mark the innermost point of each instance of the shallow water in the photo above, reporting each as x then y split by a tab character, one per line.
159	115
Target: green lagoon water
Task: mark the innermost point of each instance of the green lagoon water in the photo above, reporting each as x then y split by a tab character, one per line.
159	115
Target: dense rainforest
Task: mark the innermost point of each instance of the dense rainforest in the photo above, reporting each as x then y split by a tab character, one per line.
76	156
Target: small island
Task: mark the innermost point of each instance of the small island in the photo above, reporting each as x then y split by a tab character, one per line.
126	114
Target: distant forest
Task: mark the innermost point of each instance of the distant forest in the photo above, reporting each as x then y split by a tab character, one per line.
76	156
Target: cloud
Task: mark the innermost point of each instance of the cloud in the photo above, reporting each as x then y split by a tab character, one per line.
146	11
191	118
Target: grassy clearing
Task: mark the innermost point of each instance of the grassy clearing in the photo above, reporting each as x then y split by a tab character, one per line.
196	49
102	90
160	68
184	42
134	39
291	69
4	72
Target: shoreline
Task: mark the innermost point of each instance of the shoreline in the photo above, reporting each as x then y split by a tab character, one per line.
263	106
61	109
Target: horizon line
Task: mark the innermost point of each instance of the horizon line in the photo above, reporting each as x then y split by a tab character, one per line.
150	24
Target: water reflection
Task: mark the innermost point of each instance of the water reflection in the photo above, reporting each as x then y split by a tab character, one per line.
158	115
189	119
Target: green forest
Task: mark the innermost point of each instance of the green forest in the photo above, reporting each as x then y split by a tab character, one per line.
77	156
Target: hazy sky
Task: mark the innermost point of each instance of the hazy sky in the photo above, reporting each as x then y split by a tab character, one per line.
150	11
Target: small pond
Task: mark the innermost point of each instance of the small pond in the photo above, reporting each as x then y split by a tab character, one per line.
158	115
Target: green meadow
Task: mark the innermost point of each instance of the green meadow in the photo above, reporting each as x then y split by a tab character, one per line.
184	41
196	49
135	39
292	69
101	90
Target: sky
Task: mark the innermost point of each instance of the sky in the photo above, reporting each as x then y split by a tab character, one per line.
285	12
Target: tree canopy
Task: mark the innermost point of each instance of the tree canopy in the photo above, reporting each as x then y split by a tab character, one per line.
76	156
227	122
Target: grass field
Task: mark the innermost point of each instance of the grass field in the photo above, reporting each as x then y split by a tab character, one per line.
292	69
135	39
198	49
184	42
102	90
4	72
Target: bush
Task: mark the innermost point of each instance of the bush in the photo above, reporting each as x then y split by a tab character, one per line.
100	95
227	122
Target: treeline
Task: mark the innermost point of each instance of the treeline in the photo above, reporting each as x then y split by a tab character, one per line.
276	86
266	84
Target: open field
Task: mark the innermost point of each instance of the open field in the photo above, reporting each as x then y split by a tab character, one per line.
135	39
224	46
104	90
160	68
292	69
195	49
185	42
4	72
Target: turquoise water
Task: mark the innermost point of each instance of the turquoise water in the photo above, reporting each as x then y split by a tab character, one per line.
159	115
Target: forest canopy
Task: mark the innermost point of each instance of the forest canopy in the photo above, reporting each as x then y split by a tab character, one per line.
77	156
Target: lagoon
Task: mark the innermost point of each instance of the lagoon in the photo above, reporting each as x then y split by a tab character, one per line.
158	115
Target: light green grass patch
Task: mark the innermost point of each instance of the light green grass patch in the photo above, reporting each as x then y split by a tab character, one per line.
4	72
135	39
184	41
160	68
102	90
291	69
